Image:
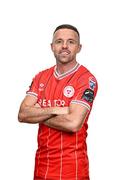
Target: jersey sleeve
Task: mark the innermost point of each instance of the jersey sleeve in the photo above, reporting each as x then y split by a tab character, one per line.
34	87
85	91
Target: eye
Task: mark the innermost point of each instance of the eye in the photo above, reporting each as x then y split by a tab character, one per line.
71	41
59	41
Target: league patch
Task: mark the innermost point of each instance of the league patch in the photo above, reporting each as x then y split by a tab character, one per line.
88	95
68	91
92	83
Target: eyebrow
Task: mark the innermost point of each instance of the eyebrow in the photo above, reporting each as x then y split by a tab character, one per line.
67	39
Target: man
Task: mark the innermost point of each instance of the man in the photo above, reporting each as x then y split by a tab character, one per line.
60	100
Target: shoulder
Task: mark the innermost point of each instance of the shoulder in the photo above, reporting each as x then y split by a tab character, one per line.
86	73
86	77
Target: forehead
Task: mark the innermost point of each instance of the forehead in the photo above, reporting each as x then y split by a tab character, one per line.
65	34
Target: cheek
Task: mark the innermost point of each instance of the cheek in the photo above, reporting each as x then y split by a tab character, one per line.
76	50
73	51
56	49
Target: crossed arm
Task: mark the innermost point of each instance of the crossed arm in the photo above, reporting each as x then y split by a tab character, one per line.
69	119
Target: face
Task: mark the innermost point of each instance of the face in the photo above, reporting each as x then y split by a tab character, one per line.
65	46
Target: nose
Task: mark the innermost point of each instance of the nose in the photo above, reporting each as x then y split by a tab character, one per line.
64	45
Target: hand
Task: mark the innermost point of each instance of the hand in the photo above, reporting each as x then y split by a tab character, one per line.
60	110
37	105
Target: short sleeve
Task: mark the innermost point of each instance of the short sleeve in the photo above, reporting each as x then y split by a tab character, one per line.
34	87
86	90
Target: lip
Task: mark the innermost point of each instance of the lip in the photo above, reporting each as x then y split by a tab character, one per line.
65	52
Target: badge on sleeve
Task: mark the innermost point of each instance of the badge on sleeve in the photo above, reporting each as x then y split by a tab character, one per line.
88	95
92	83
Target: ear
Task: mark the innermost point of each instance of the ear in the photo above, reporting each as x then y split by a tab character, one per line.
52	47
79	48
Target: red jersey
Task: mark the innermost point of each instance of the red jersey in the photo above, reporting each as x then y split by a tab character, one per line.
62	155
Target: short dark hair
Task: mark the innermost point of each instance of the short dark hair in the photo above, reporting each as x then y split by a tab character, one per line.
67	26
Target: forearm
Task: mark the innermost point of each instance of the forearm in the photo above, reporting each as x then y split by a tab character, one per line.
34	120
60	122
70	122
38	115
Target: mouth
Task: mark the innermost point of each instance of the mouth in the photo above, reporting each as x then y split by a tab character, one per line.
64	52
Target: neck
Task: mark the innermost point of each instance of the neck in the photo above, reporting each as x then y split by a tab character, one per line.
63	68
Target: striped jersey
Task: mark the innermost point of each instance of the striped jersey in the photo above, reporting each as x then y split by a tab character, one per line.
62	155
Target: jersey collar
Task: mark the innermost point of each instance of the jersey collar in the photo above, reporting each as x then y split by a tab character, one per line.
61	76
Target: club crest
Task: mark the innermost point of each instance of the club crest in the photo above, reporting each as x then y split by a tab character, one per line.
68	91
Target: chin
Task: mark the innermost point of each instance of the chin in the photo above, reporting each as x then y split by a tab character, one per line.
64	60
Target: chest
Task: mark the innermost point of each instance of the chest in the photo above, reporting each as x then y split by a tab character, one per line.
55	92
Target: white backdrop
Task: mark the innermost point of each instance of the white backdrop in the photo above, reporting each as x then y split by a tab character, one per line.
26	29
